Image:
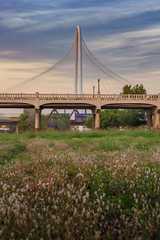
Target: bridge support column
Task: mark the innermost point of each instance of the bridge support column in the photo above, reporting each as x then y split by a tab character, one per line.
93	119
17	131
149	118
97	119
156	119
37	119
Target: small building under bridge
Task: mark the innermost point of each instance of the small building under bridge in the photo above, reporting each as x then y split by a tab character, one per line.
9	122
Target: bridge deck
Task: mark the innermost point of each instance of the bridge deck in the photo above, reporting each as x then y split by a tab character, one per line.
20	100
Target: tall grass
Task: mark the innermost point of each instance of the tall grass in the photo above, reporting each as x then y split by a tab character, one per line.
97	185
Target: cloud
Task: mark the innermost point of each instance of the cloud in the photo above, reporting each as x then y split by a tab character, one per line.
13	73
8	53
123	34
131	51
64	14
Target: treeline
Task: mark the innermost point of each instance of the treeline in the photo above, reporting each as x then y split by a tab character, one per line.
48	122
110	118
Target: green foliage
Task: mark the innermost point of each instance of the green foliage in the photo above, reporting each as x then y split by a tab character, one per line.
116	118
73	194
108	145
135	117
89	121
12	129
44	124
57	122
131	117
24	122
9	151
125	118
108	118
27	121
63	135
137	89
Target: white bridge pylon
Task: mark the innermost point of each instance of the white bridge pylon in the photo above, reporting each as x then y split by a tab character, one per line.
76	73
78	61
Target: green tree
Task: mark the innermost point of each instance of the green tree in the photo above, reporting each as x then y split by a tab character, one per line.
44	124
89	121
137	89
127	117
133	117
57	122
108	118
24	122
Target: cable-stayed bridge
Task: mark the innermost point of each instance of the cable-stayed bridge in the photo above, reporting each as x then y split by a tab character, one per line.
76	72
72	83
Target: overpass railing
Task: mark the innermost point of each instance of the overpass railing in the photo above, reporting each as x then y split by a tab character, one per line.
67	96
22	96
103	96
129	96
16	96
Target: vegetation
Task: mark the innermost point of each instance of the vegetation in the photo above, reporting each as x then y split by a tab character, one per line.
135	117
124	118
96	185
110	118
137	89
56	122
24	122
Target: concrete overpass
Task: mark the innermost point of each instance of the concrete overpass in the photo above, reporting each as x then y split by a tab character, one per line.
95	102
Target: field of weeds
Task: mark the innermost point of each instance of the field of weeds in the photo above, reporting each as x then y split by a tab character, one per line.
96	185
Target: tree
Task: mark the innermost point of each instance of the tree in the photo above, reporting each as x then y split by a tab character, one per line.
23	124
134	117
89	121
137	89
44	124
131	117
108	118
27	122
57	122
126	117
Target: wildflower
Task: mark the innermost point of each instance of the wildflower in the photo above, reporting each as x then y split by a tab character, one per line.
87	194
97	234
134	195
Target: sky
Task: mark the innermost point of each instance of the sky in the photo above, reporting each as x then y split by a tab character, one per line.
123	34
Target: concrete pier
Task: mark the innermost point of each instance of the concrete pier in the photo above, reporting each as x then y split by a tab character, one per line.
37	119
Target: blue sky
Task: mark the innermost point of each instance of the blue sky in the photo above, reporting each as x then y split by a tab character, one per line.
123	34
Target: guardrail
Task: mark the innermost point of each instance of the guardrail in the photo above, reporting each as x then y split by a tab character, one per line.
22	96
67	96
129	96
15	96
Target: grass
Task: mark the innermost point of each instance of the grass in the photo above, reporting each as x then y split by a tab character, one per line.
75	185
